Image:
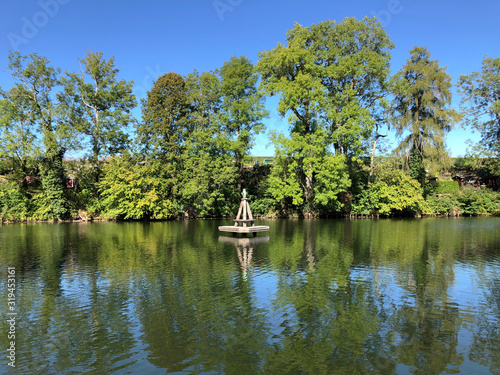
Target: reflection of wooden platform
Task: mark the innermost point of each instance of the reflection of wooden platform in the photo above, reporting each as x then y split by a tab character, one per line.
243	241
234	229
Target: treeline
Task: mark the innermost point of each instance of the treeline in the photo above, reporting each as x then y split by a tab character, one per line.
188	154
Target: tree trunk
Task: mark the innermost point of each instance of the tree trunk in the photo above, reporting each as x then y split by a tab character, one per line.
372	157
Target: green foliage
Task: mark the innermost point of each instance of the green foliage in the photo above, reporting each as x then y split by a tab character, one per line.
242	107
18	142
394	193
331	75
306	176
447	187
421	96
14	203
196	132
82	196
208	186
134	190
481	104
53	202
451	201
37	110
447	205
416	164
100	108
164	114
479	202
332	79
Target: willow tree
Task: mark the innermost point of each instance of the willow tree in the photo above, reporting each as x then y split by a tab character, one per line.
420	109
331	78
481	105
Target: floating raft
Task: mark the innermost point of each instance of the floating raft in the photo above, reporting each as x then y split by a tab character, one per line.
238	229
244	222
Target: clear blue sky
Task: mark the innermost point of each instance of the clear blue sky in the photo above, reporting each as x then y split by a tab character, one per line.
150	38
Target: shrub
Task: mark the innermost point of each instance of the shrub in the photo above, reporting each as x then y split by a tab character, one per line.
14	204
442	205
447	187
393	193
479	202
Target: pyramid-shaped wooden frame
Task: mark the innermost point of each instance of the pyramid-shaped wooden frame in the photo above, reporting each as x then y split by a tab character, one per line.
244	222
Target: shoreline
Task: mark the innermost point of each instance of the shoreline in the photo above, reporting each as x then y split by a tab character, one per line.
292	217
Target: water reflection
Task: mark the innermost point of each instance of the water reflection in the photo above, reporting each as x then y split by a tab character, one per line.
313	297
244	248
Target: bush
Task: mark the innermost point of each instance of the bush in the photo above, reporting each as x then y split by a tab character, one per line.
447	187
442	205
479	202
132	190
14	204
394	193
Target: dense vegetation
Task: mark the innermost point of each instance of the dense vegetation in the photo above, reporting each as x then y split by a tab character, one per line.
189	153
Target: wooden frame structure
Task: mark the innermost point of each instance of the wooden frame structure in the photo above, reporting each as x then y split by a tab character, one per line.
243	219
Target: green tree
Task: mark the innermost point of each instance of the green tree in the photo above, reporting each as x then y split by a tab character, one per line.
481	105
165	127
97	105
165	118
352	59
302	162
131	189
332	81
38	112
208	176
421	96
18	141
242	107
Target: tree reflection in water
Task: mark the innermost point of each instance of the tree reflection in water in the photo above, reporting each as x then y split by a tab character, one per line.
314	297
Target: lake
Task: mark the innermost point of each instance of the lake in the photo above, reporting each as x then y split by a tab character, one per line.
409	296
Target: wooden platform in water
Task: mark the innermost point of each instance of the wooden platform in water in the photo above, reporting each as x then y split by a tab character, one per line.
244	222
241	229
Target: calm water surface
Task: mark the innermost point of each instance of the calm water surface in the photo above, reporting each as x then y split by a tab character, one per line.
307	297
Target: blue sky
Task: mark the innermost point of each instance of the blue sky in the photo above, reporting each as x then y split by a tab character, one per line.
150	38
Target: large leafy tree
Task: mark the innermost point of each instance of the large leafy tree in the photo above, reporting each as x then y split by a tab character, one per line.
420	109
18	141
98	105
352	58
165	118
481	104
242	107
164	129
332	80
30	109
209	175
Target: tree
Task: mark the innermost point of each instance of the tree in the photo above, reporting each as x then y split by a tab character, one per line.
332	81
165	128
165	118
131	189
208	176
481	105
18	141
352	59
421	95
98	105
37	111
242	107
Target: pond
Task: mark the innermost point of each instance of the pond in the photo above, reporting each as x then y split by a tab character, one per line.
308	297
